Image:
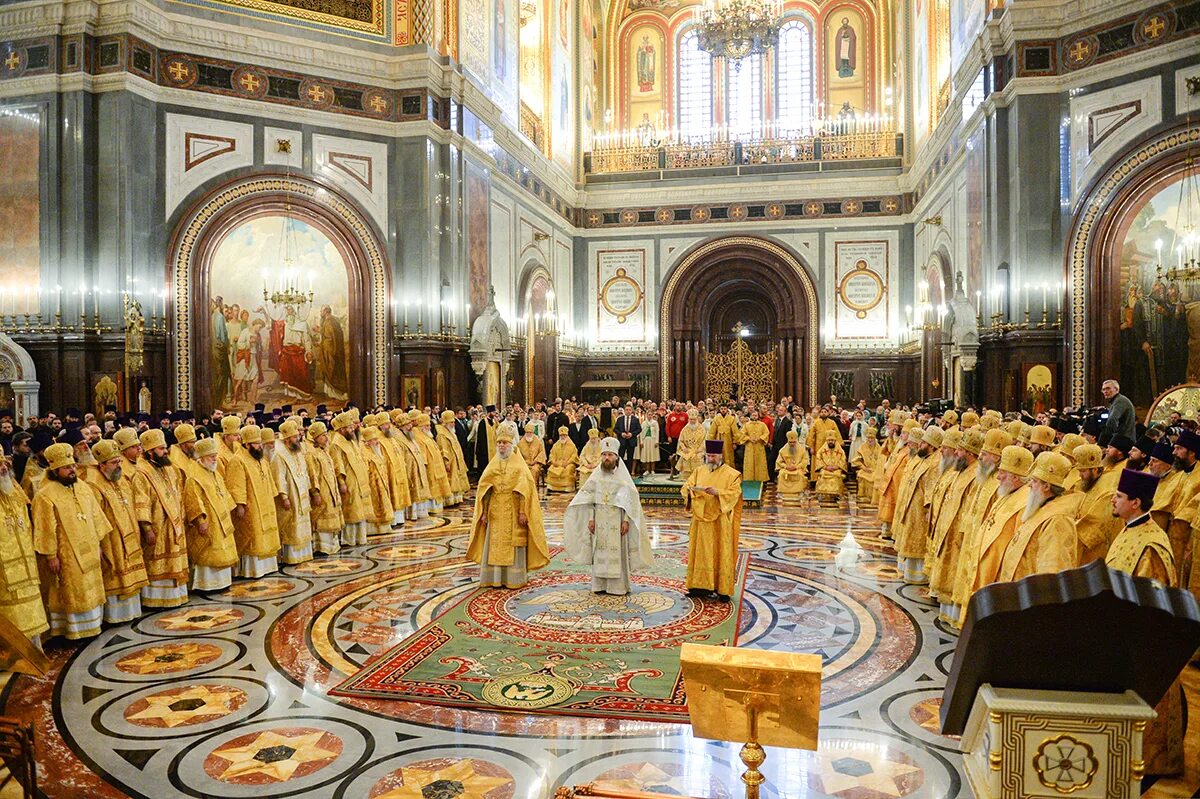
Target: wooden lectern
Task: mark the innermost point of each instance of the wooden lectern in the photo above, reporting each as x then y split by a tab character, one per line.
1055	677
753	697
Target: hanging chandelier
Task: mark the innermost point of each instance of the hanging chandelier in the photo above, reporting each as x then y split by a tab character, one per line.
736	29
1184	251
285	283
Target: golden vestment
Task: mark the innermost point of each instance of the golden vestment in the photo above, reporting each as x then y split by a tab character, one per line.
327	516
207	500
689	451
791	470
888	484
381	513
69	524
180	459
941	562
754	456
533	451
1045	543
1094	521
295	523
715	528
589	460
124	564
414	465
157	501
725	429
986	494
20	586
435	466
456	462
866	463
829	467
505	491
560	476
352	471
999	527
911	528
252	485
31	481
393	455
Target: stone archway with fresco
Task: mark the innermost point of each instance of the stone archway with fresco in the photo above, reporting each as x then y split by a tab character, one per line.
18	381
754	281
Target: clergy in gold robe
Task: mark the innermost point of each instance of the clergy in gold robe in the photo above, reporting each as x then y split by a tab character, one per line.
325	496
564	458
713	494
415	466
1143	549
253	489
689	451
533	450
589	457
1185	517
829	466
865	463
725	429
229	441
791	467
183	451
158	502
353	480
912	503
1094	521
294	511
20	585
754	456
456	461
1045	541
953	508
508	539
379	516
894	469
1002	521
207	505
397	464
986	489
435	462
121	551
68	528
821	426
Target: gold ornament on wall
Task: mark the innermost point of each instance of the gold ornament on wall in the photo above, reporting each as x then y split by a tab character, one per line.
861	289
621	296
135	336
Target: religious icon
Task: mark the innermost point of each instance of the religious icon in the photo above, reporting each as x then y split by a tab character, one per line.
844	47
500	48
646	132
845	118
413	391
145	399
135	334
105	393
646	66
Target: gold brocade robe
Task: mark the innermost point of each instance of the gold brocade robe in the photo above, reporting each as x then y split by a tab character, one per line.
252	485
225	453
1045	543
911	528
887	487
1163	509
415	467
985	497
829	468
291	480
941	562
725	429
560	476
791	470
533	451
157	500
20	586
326	516
505	490
690	450
589	460
180	459
999	527
715	528
1094	521
816	438
456	462
435	466
69	524
754	456
393	455
124	566
352	471
206	499
31	481
1144	550
866	463
381	511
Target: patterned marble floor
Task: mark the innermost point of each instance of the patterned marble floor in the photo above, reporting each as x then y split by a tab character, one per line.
228	696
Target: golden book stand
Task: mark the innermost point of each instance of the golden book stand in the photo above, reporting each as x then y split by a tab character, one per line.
753	697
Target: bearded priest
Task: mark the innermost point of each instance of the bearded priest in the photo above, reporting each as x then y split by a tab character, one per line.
508	539
714	494
603	525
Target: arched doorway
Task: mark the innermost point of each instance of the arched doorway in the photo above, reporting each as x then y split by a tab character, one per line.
299	342
933	298
540	311
742	279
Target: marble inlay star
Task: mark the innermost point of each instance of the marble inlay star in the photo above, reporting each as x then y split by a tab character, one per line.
328	567
842	770
167	658
199	618
181	707
260	588
459	780
277	755
648	778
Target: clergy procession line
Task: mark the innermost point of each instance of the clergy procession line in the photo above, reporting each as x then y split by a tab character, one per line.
100	527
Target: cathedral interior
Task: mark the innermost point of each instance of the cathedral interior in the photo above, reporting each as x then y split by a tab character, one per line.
535	212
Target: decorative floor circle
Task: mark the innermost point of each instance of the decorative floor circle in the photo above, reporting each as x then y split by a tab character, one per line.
409	551
446	778
199	617
274	755
263	588
185	706
168	658
329	567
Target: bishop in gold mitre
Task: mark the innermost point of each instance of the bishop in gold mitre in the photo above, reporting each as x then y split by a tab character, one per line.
866	463
791	467
533	452
1046	541
294	510
689	451
123	564
380	513
397	467
354	483
207	505
564	458
508	539
68	528
20	586
714	495
252	485
158	500
326	499
829	468
419	491
456	461
589	457
754	457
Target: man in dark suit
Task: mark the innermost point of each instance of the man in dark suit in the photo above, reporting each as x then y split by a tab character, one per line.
627	428
580	427
462	429
554	420
783	423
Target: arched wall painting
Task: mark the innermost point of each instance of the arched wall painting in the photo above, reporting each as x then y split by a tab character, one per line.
847	60
646	63
277	353
1158	319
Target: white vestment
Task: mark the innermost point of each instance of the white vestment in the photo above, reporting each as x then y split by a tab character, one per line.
608	499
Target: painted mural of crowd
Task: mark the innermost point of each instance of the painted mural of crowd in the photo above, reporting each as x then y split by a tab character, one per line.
1159	339
269	353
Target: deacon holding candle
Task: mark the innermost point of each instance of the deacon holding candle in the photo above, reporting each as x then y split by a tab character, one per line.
714	494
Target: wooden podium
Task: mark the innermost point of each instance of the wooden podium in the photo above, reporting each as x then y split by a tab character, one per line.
1056	676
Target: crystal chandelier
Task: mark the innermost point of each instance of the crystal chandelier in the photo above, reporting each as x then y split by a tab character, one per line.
1185	249
735	29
